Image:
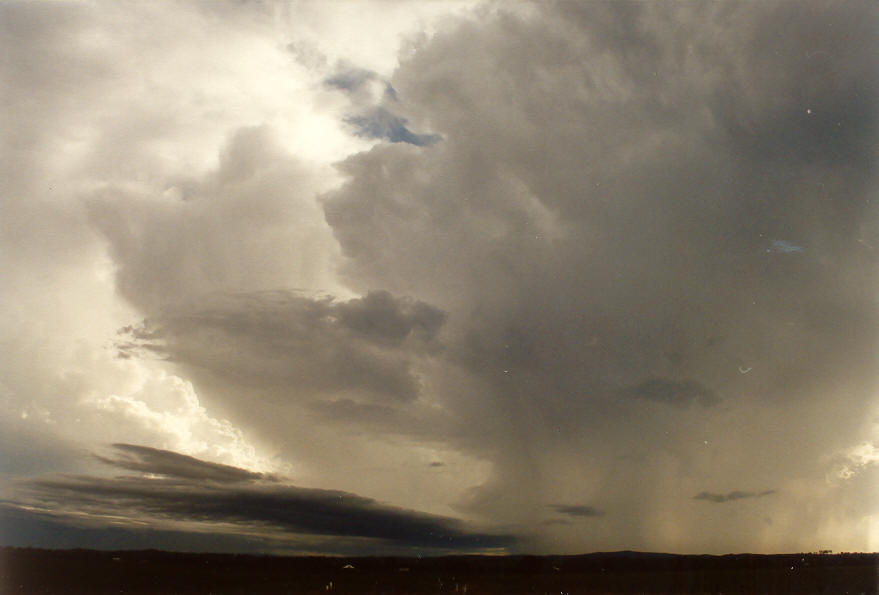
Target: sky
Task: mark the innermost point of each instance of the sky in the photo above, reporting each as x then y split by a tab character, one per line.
418	278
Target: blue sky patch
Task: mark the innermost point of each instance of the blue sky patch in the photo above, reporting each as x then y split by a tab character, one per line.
380	123
784	247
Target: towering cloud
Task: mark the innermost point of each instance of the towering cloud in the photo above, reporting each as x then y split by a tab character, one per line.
636	208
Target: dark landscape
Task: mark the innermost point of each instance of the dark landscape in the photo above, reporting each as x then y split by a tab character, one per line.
33	571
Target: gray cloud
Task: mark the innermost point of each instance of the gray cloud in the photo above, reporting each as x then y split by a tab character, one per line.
610	179
145	459
577	510
27	528
731	496
379	315
364	346
673	392
193	491
242	227
562	522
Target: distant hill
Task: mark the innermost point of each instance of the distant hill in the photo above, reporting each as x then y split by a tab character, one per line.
30	571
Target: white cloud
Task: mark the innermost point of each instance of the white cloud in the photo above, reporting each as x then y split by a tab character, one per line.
168	408
116	185
856	459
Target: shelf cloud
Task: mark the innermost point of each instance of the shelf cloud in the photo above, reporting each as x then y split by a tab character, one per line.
171	490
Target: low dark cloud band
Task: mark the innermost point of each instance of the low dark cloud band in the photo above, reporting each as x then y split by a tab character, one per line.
179	489
731	496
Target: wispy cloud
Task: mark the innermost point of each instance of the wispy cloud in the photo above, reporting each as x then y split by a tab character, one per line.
577	510
731	496
672	392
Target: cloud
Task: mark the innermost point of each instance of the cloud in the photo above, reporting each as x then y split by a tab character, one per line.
318	346
577	510
513	300
673	392
244	226
731	496
609	179
190	491
855	459
381	315
562	522
145	158
145	459
165	408
27	528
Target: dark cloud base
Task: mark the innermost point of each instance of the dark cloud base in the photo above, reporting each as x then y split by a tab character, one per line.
133	457
731	496
577	510
674	392
173	488
22	528
316	345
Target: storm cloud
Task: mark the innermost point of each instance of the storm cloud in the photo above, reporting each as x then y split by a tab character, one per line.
602	221
206	493
134	457
673	392
363	346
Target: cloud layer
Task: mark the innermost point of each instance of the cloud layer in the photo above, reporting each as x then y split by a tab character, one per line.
171	490
577	510
731	496
364	346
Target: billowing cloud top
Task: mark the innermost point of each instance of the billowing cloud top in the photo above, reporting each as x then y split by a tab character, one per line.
593	258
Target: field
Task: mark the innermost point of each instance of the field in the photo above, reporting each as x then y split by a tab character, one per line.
34	571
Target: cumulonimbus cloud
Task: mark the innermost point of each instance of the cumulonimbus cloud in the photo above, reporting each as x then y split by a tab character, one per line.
635	210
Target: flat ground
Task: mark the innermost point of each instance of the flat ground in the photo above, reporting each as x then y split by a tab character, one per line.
33	571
